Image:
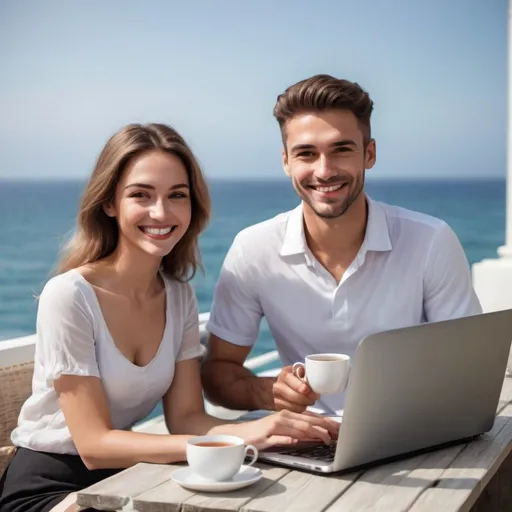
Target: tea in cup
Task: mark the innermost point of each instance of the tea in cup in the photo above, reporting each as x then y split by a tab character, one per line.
324	373
218	458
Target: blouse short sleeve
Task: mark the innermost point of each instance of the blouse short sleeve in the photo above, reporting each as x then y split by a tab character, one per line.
65	340
191	342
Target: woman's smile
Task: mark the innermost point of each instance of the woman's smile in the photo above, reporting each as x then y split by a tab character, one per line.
158	233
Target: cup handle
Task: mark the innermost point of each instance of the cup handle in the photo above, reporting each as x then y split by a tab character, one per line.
295	371
254	455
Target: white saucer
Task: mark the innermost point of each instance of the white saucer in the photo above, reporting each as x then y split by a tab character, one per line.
187	478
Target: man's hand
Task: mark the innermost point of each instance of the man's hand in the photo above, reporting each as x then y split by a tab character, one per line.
291	393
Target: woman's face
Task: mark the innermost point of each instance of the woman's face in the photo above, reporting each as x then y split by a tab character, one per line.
152	203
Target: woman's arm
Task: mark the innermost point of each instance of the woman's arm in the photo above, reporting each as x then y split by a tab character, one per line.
183	403
87	415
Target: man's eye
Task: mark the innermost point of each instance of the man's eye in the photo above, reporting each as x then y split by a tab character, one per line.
305	154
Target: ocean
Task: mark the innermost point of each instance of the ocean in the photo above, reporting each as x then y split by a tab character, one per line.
37	217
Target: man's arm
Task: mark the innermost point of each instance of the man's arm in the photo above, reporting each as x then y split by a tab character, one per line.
448	290
228	383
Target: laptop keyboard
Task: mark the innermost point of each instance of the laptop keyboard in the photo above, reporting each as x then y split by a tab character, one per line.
324	452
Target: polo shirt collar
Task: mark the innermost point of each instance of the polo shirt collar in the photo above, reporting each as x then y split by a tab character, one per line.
376	239
294	239
377	230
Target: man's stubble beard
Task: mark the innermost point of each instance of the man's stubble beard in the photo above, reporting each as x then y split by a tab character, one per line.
342	209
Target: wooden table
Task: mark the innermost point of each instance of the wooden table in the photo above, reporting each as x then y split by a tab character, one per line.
475	476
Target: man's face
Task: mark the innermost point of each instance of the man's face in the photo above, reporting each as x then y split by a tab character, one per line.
326	160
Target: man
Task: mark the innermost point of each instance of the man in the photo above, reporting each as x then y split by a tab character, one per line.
335	269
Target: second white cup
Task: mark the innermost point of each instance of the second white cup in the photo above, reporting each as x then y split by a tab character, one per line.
324	373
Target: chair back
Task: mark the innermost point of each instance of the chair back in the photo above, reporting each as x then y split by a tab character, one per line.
15	388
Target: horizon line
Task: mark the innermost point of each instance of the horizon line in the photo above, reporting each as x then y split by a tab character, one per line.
56	179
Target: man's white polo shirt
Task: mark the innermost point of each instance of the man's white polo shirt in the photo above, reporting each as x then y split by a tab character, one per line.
411	268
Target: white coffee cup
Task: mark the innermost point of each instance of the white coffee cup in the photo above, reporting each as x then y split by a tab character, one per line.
324	373
218	458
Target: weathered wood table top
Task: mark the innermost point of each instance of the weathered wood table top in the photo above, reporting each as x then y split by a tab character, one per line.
469	476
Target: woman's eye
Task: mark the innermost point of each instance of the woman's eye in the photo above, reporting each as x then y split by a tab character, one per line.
138	194
178	195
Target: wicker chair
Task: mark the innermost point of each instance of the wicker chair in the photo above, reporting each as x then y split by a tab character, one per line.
15	387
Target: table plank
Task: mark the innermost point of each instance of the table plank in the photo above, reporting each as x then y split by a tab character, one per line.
401	486
115	492
506	394
166	497
272	475
169	497
300	491
460	484
375	482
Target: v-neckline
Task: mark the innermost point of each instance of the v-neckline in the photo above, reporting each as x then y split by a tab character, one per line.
109	334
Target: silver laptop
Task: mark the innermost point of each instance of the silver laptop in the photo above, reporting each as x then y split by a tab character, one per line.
413	389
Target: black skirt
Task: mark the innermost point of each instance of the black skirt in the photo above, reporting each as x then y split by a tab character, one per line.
37	481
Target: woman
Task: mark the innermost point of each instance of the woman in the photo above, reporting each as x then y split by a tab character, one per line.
117	331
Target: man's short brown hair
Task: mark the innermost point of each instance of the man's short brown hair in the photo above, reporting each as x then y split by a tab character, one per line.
324	92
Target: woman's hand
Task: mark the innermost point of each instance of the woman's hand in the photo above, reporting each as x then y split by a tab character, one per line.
287	427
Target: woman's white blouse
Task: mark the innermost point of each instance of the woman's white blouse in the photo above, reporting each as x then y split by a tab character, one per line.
73	339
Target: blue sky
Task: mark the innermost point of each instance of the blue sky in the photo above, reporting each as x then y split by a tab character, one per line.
75	72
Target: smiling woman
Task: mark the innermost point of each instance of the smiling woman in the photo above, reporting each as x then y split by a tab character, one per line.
118	331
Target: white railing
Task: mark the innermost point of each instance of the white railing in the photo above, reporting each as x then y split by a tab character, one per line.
17	350
258	361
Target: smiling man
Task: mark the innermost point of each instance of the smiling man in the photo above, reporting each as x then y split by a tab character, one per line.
335	269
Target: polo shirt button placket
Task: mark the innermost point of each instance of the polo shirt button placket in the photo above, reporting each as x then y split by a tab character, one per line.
339	304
